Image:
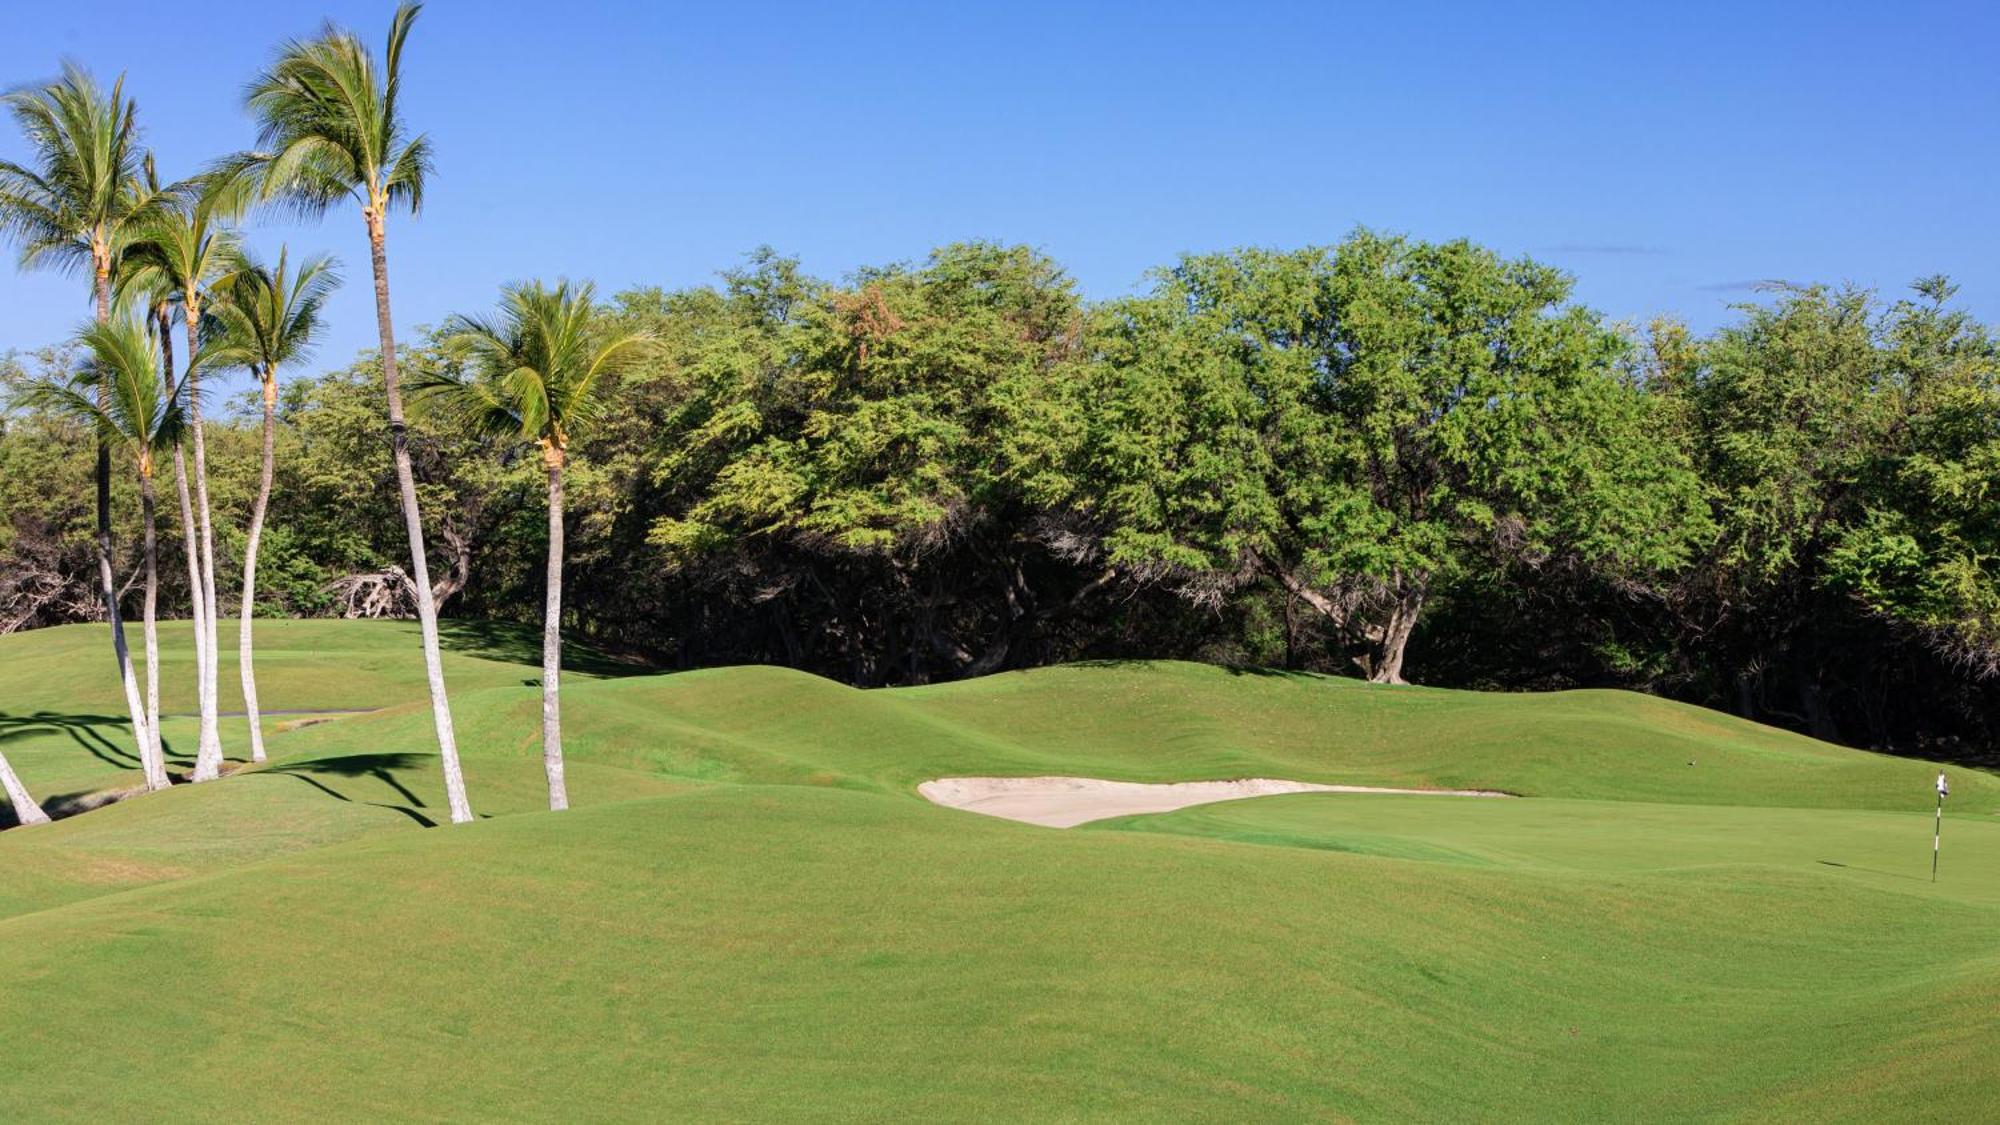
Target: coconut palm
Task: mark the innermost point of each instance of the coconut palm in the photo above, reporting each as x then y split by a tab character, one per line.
159	303
159	295
187	249
73	206
331	130
535	372
269	322
119	393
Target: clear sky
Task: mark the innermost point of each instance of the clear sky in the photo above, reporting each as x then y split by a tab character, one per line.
1668	154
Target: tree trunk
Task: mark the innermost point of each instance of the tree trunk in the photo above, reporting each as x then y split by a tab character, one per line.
243	641
1387	666
552	755
208	759
26	811
198	604
133	702
151	618
155	762
107	579
406	486
209	735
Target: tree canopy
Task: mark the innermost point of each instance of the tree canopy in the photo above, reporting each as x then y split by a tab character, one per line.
1388	457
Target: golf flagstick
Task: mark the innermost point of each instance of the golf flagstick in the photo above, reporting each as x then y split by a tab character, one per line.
1937	831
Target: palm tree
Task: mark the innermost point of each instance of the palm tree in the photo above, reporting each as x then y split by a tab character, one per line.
159	310
119	393
269	320
76	207
535	373
331	131
186	250
159	295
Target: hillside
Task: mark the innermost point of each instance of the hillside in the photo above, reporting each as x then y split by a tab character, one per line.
751	914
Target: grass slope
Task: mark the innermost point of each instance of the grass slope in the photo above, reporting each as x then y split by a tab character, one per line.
62	712
750	914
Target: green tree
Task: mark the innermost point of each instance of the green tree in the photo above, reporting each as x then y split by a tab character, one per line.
1925	549
74	208
538	372
895	435
331	131
1851	454
1790	409
119	394
1364	425
269	321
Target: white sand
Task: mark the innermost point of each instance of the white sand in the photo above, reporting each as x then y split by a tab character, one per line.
1062	802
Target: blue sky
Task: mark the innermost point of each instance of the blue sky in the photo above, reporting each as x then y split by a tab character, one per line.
1668	154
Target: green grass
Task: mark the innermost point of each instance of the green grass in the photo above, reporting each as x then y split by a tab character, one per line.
750	915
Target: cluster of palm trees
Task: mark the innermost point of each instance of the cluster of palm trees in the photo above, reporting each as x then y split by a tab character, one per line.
330	132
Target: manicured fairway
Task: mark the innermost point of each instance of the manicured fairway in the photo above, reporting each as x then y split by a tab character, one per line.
750	914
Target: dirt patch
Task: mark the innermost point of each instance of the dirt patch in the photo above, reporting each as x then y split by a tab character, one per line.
1063	802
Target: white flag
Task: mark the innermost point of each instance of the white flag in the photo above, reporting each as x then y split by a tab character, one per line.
1944	789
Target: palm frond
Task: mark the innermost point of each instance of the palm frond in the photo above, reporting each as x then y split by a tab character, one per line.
81	183
542	357
329	126
271	315
404	186
117	390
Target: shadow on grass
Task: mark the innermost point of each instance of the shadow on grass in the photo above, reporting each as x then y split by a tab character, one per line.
515	643
1870	870
88	732
376	766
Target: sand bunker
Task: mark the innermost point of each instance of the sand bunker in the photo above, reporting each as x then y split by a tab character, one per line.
1062	802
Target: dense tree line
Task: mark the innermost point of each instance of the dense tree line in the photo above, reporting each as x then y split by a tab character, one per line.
1389	457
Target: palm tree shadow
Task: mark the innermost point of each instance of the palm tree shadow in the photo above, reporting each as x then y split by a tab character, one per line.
87	731
376	766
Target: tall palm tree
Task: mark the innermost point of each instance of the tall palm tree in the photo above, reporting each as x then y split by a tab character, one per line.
159	309
74	206
187	249
159	296
331	131
269	321
119	393
536	372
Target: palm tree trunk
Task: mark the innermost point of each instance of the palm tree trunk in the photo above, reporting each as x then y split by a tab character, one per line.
406	485
26	811
209	735
243	640
552	755
208	761
133	702
155	763
199	604
107	579
151	618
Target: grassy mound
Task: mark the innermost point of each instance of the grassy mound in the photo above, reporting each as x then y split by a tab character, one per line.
750	914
